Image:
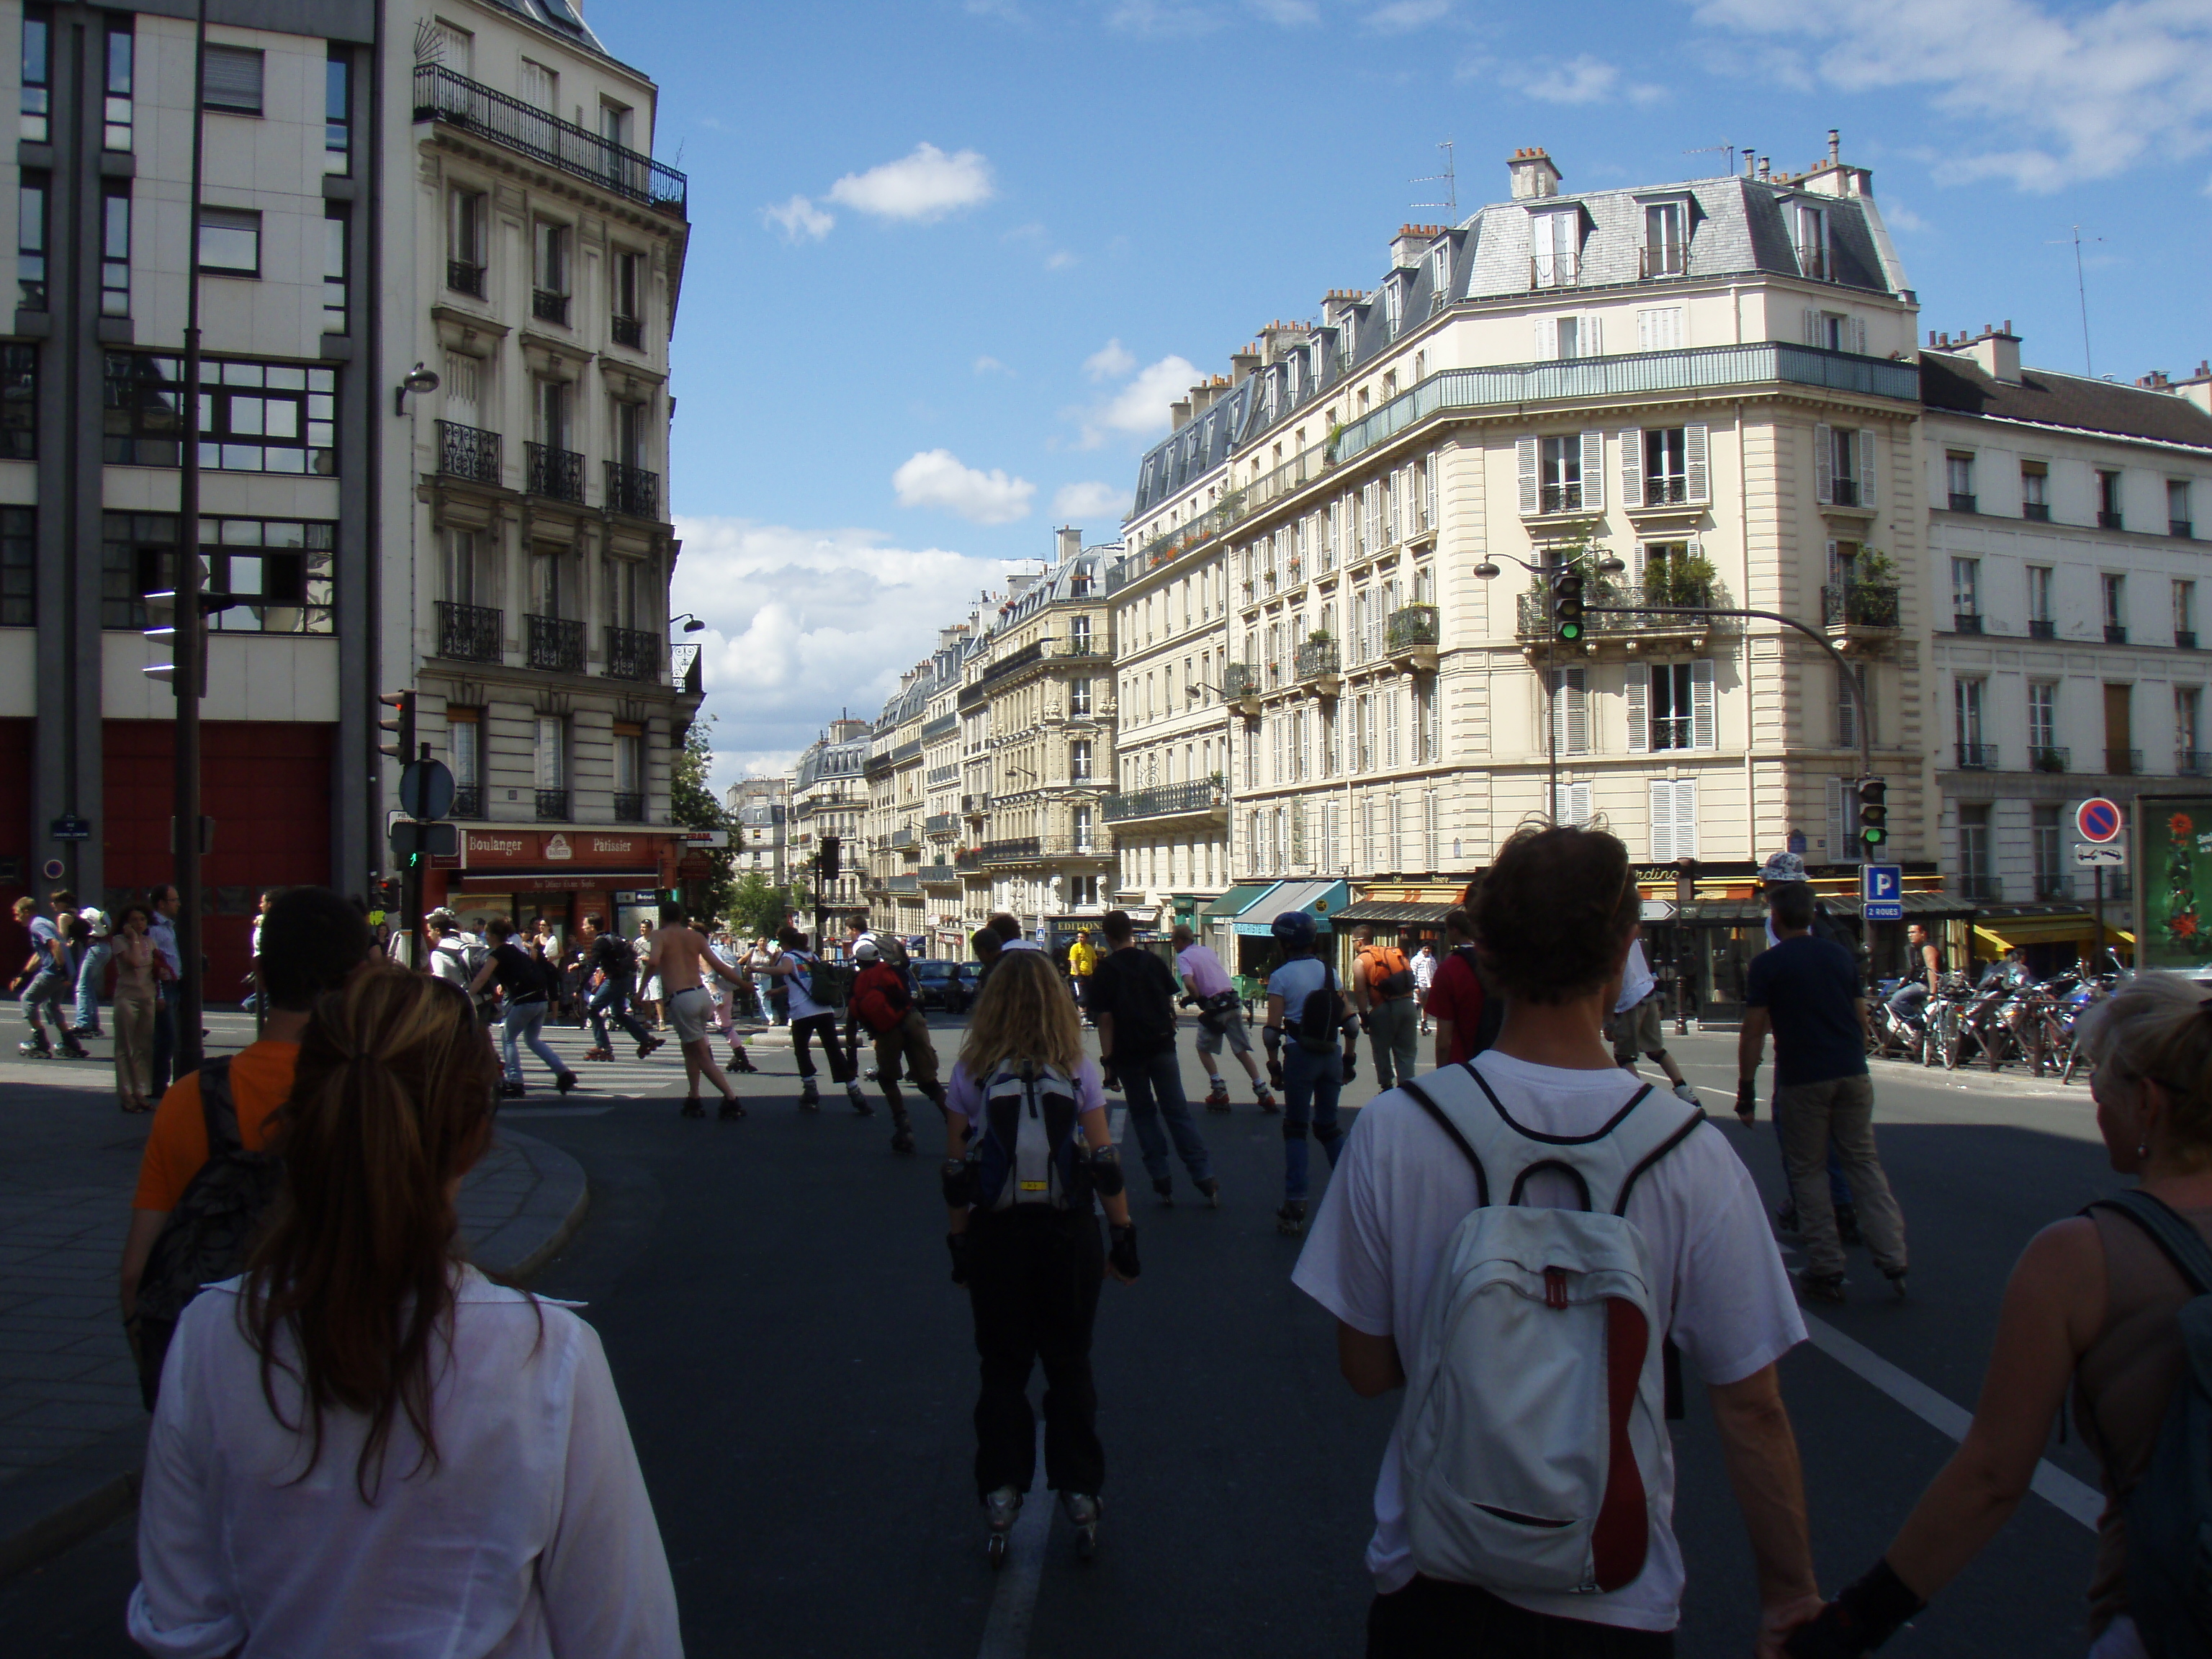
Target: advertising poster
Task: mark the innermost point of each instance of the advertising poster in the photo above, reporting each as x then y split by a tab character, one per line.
2173	878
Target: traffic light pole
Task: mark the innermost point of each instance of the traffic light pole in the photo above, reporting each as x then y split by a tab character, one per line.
188	998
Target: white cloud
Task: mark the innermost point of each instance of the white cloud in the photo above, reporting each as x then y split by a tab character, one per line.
1077	501
1059	261
781	603
1898	217
801	219
922	187
1401	17
1141	408
992	366
2089	94
935	477
1109	362
1581	80
1161	17
1288	14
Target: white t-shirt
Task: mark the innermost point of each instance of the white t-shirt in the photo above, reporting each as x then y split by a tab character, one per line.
1719	1288
1424	968
1637	982
802	1006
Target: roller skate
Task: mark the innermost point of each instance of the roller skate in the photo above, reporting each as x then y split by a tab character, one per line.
1210	1190
1291	1220
599	1053
693	1108
732	1109
649	1045
1265	1096
1164	1186
1000	1509
1216	1097
859	1100
1081	1509
740	1059
902	1131
809	1098
35	1049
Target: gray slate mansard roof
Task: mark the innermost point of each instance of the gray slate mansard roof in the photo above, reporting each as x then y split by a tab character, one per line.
1958	385
1737	228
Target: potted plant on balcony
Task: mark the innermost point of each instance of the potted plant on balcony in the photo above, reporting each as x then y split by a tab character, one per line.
1684	581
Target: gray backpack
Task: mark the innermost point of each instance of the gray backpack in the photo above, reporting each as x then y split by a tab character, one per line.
2169	1513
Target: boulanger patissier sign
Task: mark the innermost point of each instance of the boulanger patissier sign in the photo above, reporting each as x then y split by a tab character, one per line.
494	849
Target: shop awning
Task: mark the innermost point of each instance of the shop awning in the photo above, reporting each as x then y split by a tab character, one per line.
1322	900
1390	913
2066	927
1236	901
1751	911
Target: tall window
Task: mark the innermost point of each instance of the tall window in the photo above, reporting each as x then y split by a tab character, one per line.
115	247
2042	723
2187	708
629	299
1974	849
2177	521
1966	596
1555	244
2184	615
337	111
31	198
1967	706
115	129
471	568
2108	501
2034	490
465	754
2043	831
1666	465
2042	620
1670	705
1847	706
1079	636
1809	235
37	88
1665	239
334	268
18	573
1078	699
465	241
551	758
1569	703
1078	761
1844	451
553	406
629	774
549	298
2116	609
1561	476
1958	481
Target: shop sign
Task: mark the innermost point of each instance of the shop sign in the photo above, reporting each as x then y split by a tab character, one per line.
497	848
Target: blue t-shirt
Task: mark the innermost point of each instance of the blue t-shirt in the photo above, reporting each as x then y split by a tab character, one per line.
1807	987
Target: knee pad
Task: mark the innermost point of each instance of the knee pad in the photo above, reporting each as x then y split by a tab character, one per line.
1105	1165
1293	1129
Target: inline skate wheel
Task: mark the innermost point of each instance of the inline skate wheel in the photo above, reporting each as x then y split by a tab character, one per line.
996	1550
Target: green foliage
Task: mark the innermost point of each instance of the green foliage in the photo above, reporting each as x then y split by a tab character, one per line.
1874	567
692	805
756	907
1680	581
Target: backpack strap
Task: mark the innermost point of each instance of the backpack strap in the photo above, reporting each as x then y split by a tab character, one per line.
218	1108
1607	1162
1444	1122
2182	1244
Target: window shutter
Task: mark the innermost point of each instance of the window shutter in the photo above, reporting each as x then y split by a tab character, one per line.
1858	335
1547	339
1663	822
1639	705
1811	326
1694	462
1592	471
1632	468
1835	570
1578	802
1570	710
1589	337
232	79
1702	735
1686	817
1865	466
1835	819
1824	466
1524	455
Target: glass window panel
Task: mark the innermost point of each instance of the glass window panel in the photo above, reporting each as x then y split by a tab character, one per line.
286	377
246	416
281	417
235	373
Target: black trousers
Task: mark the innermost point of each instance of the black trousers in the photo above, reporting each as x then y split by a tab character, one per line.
1431	1619
823	1026
1033	1280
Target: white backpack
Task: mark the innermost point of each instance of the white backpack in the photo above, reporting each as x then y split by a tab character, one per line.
1531	1429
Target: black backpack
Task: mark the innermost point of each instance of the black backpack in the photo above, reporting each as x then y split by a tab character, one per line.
1147	1006
210	1233
616	954
1321	1016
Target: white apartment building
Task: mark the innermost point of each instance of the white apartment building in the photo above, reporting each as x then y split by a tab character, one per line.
830	798
2068	522
762	810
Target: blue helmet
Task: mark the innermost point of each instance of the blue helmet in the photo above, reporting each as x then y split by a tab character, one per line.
1296	929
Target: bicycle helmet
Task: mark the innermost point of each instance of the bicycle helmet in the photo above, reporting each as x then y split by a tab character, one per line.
1296	929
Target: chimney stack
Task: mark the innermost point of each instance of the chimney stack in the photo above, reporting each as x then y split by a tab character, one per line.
1241	364
2197	388
1411	242
1532	174
1995	351
1071	541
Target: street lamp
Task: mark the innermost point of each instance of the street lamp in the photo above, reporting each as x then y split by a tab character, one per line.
419	381
691	623
1608	565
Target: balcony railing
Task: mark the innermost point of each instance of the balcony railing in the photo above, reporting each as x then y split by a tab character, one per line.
1007	852
469	633
468	800
1412	629
633	653
2183	528
552	805
1318	660
558	473
1843	492
547	306
1813	261
1978	757
555	643
1980	885
1555	270
903	837
468	452
632	490
1167	801
2043	757
1963	503
1533	613
1663	260
2116	632
442	95
464	277
968	858
1966	621
1860	604
2042	627
629	808
941	824
629	332
940	874
1240	680
2111	521
2192	762
974	806
2122	762
1559	498
1665	489
2038	511
2185	639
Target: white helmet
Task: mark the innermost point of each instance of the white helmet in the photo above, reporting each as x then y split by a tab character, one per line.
866	950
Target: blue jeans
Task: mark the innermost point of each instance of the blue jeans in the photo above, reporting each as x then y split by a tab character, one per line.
611	1001
89	979
518	1025
1153	1089
1311	1084
50	990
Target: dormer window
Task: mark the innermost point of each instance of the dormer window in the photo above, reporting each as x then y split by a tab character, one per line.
1392	307
1808	236
1665	238
1440	272
1555	241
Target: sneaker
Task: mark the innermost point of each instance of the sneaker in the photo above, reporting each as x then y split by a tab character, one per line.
1164	1186
1820	1287
1267	1100
565	1082
1847	1224
649	1045
1687	1095
1210	1190
1291	1220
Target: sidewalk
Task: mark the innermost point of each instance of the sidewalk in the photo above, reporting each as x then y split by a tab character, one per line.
72	1430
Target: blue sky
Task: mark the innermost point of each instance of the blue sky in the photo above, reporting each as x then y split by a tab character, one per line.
951	259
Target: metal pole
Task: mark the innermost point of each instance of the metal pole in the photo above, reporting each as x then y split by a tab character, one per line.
1552	727
2099	967
190	622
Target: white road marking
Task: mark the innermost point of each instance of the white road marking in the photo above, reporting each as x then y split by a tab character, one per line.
555	1111
2077	1498
1013	1601
1117	1121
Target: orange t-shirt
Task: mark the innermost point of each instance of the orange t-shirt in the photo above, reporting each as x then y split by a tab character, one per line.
260	1080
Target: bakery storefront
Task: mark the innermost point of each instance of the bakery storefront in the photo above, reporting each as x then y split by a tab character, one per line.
563	875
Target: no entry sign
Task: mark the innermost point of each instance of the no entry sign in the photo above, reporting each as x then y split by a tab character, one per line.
2098	819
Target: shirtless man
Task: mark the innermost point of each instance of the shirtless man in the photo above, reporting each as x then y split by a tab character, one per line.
676	956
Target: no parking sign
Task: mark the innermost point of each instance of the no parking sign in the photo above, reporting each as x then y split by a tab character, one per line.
2099	819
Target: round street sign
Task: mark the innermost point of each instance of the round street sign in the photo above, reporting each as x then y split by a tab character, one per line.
425	789
2099	819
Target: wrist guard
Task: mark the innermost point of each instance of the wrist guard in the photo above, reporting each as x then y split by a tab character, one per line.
1865	1615
1105	1164
1271	1037
958	1179
1351	1066
1123	1252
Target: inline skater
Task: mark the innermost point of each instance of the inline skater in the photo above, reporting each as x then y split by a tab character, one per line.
679	958
614	959
812	1021
1304	991
1137	1035
1027	1145
1207	987
881	1002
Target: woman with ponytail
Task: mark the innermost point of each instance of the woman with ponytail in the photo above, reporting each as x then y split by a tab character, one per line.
362	1444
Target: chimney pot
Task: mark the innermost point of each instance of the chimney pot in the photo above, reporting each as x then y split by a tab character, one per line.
1835	145
1532	174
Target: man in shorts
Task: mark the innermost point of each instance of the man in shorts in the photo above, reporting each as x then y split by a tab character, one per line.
881	1004
678	958
1207	987
1637	1028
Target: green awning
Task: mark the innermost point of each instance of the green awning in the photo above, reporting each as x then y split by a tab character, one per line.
1236	901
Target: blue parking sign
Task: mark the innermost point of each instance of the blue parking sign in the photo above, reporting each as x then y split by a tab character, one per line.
1882	892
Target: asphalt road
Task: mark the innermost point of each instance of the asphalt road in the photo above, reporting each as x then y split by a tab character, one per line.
797	1375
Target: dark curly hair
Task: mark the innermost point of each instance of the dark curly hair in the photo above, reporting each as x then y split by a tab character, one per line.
1550	913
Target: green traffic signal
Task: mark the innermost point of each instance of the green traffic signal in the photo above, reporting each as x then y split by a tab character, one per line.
1873	812
1567	606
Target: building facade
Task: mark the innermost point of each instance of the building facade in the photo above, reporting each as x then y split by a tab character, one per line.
761	808
830	796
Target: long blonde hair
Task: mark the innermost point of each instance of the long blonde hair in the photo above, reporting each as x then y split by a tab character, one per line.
1024	1013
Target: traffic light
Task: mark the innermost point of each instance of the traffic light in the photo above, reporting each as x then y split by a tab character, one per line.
1567	606
829	859
414	844
161	627
1874	812
397	717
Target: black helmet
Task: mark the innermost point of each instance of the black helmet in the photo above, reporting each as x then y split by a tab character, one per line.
1296	929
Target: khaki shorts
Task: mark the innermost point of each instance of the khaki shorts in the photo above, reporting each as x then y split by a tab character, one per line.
692	1013
908	1041
1639	1031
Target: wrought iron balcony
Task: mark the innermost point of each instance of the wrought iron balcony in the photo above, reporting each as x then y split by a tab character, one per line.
468	800
555	643
1980	885
547	306
558	473
1665	489
552	805
1978	757
632	490
939	824
1318	660
2183	528
968	858
1961	502
2185	639
1020	848
1412	631
1560	498
903	837
940	874
1663	260
1533	618
1240	680
629	808
468	452
974	806
1966	621
1860	604
903	883
2116	632
1168	800
629	332
442	95
1554	271
1843	492
2111	521
2192	762
2042	627
2124	762
469	633
464	277
2038	511
2043	757
633	653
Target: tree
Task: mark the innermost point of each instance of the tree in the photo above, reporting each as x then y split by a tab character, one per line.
692	805
756	906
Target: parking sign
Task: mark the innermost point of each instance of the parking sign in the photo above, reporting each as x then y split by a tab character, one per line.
1882	892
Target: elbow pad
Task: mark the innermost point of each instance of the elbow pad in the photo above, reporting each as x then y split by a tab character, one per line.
1106	1170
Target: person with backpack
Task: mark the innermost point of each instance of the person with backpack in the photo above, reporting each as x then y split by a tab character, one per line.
525	986
1382	997
48	980
1525	1501
362	1444
1467	1016
1136	1013
882	1003
614	959
1207	987
2114	1305
201	1179
1305	1002
803	974
1027	1147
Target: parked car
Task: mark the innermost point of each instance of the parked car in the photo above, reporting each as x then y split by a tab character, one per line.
943	985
